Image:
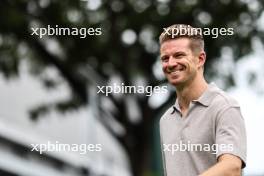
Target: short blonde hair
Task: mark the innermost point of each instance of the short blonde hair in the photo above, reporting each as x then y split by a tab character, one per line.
194	34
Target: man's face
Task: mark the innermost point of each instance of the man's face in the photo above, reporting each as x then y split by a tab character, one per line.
179	64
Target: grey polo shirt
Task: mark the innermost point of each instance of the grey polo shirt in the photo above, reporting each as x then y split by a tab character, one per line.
213	126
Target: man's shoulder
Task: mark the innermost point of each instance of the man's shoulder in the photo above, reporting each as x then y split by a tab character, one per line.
167	113
223	99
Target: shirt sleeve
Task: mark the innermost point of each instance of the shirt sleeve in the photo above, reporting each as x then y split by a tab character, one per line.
231	134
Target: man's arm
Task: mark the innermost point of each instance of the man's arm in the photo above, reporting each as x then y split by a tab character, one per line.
227	165
230	129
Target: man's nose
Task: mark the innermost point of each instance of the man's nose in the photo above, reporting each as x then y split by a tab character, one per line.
172	62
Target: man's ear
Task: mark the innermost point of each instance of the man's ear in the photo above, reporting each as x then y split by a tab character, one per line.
201	59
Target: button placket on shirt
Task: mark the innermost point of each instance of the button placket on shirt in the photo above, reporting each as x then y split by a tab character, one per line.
186	120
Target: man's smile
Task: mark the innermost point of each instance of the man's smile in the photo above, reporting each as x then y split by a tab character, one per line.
176	70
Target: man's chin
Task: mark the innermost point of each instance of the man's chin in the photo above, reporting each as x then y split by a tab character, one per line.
176	82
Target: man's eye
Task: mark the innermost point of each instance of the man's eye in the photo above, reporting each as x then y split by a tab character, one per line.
178	55
164	59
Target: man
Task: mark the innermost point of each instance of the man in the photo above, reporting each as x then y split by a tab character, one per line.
203	133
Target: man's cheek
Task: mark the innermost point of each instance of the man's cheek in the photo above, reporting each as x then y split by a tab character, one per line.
164	68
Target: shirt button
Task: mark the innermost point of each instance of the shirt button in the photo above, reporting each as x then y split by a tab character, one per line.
181	137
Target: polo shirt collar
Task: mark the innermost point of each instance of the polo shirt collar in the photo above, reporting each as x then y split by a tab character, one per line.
205	99
208	95
177	106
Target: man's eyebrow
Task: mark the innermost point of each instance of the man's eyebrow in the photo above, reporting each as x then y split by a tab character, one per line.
162	56
179	53
175	53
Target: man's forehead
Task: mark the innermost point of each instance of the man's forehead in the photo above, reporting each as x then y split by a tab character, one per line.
175	45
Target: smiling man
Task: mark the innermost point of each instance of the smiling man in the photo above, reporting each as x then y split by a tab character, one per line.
204	132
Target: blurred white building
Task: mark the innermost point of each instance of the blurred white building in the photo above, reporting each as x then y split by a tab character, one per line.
18	132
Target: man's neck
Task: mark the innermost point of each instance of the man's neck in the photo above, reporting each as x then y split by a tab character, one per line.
190	92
